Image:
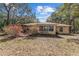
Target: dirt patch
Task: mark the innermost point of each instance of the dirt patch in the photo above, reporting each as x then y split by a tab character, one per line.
73	40
40	46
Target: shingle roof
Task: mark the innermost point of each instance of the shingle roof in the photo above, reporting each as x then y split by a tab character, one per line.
63	25
47	23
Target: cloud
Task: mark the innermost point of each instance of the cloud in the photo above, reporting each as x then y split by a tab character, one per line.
39	8
49	9
43	12
45	9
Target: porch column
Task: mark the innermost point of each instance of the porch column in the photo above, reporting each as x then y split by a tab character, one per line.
54	29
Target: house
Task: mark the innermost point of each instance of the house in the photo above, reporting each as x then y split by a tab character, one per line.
46	28
63	29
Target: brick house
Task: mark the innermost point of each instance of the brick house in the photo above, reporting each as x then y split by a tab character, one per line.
46	28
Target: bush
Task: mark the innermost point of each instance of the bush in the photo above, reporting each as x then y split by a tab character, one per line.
13	29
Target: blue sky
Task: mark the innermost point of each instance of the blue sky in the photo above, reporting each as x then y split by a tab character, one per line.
44	10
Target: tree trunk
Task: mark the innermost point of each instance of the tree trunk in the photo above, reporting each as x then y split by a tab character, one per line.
7	22
70	17
73	25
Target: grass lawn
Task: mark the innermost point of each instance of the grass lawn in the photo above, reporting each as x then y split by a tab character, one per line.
41	46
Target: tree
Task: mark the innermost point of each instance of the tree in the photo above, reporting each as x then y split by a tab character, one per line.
14	12
67	13
25	14
8	7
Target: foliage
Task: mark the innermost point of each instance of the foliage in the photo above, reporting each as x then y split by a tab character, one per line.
16	12
13	29
67	13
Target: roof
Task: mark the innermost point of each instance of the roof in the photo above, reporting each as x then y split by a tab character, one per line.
63	25
29	24
47	23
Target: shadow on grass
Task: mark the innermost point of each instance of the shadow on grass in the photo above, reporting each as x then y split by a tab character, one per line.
73	40
44	35
7	39
34	36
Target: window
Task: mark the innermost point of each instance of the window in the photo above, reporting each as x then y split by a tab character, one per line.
61	29
46	28
41	28
50	28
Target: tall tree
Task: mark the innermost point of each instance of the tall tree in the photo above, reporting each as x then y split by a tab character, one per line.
21	12
67	13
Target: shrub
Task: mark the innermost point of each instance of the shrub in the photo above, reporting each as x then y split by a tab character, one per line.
13	29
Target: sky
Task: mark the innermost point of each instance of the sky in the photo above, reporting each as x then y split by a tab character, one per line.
44	10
